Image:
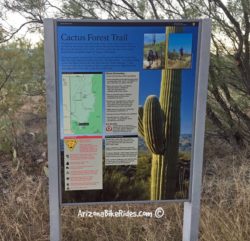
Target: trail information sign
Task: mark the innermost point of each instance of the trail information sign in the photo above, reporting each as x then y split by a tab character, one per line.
126	112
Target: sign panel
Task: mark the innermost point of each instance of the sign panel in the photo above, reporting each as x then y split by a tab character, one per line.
82	103
126	106
83	162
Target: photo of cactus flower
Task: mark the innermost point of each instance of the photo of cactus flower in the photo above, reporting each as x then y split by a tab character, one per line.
179	51
154	51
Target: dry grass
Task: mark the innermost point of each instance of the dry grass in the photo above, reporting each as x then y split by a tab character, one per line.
24	208
120	229
226	198
225	208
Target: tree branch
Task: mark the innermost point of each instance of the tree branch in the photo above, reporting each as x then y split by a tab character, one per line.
17	30
132	9
154	9
7	77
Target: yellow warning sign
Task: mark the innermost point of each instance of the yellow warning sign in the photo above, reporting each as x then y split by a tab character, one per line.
71	143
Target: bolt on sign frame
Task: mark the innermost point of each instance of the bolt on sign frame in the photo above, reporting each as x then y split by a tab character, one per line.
54	106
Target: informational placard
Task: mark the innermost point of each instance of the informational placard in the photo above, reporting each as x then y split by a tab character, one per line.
121	150
121	102
83	163
126	104
82	103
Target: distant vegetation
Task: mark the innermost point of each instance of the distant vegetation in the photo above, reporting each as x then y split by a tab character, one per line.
177	62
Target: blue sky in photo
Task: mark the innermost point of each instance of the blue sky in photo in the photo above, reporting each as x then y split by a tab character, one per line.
148	38
180	40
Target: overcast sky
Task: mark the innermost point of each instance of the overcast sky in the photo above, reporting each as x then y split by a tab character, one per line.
15	20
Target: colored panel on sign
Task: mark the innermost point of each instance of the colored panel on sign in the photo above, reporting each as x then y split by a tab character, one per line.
82	103
126	101
83	163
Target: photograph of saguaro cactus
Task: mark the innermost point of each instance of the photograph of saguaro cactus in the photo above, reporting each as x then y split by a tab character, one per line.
159	126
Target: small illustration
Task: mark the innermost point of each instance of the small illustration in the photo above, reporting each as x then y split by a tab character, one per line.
154	50
179	51
71	143
109	128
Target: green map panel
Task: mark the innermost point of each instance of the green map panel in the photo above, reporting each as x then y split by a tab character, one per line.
82	104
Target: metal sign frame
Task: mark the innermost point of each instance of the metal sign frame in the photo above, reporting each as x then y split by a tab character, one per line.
192	205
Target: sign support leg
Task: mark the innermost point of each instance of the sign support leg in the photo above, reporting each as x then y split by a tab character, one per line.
52	129
192	209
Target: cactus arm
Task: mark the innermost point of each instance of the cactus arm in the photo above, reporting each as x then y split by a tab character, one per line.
153	125
140	121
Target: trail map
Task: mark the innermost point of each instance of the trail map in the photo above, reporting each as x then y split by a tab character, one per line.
82	103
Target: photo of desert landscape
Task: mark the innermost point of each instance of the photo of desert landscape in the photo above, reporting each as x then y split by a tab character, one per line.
179	51
154	51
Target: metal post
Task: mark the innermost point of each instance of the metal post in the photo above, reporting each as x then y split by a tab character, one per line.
192	209
52	129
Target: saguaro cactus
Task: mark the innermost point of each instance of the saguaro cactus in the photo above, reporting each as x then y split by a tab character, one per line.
159	125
